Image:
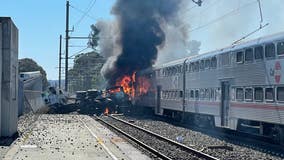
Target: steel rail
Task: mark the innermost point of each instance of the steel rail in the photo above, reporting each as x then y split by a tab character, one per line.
187	148
152	150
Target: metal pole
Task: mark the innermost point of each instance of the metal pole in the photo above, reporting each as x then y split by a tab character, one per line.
184	90
66	46
60	49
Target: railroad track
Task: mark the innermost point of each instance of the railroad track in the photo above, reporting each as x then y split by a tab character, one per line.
158	145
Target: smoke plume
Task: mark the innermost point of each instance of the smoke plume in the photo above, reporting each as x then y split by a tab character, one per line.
138	32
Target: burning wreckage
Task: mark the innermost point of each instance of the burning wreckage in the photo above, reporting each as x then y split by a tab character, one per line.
116	99
133	51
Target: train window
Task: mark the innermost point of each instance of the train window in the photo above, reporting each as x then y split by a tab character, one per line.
269	94
249	55
207	63
280	94
233	94
201	66
175	70
186	67
280	48
191	67
225	59
240	57
212	94
196	67
214	62
269	50
191	93
258	94
206	94
240	94
248	94
180	94
196	94
258	52
201	93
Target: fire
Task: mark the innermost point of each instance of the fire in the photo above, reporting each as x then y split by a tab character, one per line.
106	111
144	86
127	83
114	90
130	82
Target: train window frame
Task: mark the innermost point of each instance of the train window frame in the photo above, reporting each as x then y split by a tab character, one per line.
246	53
179	67
212	94
213	62
196	66
246	99
191	96
180	94
243	93
273	95
266	51
254	94
196	94
239	61
282	53
191	65
277	94
225	59
233	94
186	67
206	94
201	65
207	63
201	94
256	53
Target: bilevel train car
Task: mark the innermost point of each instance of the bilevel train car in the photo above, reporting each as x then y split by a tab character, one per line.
240	87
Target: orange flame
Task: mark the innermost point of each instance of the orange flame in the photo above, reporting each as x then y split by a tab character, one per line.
106	111
143	86
128	83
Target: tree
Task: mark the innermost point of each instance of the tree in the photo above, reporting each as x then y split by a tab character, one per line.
29	65
94	37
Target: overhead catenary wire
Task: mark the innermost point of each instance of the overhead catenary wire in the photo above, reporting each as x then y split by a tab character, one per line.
78	52
85	13
261	26
232	12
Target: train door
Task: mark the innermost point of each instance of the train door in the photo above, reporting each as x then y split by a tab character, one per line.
225	102
158	101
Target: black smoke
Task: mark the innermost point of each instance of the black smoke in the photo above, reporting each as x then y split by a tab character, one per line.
140	24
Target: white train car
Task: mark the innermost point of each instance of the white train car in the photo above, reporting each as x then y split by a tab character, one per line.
29	75
240	87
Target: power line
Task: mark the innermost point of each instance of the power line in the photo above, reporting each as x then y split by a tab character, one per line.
222	17
78	52
85	13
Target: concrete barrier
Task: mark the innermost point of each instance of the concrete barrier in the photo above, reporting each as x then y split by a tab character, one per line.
9	83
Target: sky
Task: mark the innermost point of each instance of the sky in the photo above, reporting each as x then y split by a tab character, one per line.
216	24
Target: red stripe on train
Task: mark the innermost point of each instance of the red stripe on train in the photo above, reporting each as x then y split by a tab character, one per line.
240	105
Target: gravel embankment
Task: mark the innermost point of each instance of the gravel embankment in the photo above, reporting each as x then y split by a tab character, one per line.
25	123
201	141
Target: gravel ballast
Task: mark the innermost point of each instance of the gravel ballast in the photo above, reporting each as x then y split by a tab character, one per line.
200	141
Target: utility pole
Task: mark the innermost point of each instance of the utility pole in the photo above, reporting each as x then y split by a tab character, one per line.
60	45
66	46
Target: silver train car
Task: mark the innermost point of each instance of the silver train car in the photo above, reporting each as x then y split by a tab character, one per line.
240	87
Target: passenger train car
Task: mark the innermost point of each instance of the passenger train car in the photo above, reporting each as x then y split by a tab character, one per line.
240	87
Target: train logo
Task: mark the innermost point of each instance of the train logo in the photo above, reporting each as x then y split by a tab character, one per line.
277	72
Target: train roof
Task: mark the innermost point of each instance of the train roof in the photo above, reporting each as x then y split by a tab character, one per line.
235	47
